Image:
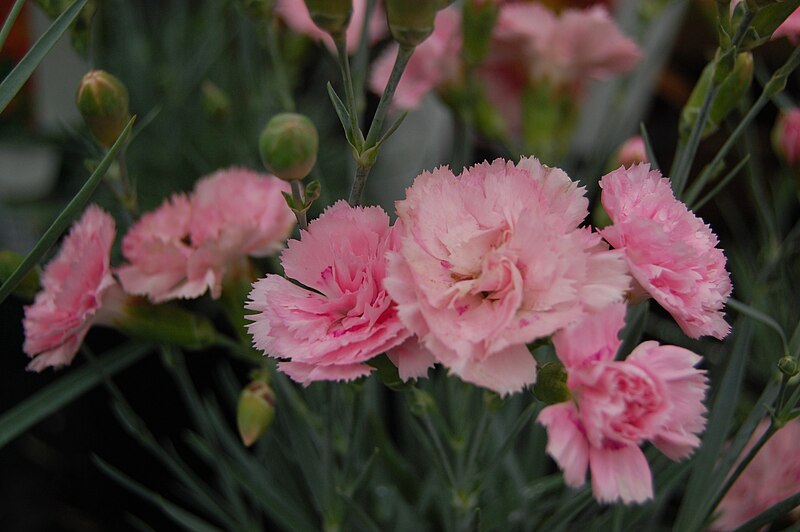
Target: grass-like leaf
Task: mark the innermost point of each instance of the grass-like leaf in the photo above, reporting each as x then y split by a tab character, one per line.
71	386
9	22
771	514
17	78
67	215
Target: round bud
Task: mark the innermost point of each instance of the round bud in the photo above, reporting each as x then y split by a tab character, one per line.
103	102
332	16
288	146
255	411
788	366
411	21
551	384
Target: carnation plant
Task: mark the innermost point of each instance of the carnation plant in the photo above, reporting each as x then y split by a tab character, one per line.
424	265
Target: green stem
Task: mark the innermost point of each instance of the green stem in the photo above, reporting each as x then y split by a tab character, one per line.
129	196
297	195
403	55
360	182
281	80
9	22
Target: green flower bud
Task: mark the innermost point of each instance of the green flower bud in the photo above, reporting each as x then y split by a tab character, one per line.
103	102
551	384
332	16
27	288
411	21
216	103
769	16
255	410
164	324
289	145
788	366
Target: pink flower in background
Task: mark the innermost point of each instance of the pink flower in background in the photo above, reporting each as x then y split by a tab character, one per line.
295	14
339	315
670	251
186	246
434	63
786	136
773	475
73	288
632	152
655	394
790	28
494	259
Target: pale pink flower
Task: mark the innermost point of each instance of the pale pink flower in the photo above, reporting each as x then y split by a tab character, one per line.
186	246
435	62
494	259
773	475
632	151
295	14
786	136
670	251
339	315
654	395
74	286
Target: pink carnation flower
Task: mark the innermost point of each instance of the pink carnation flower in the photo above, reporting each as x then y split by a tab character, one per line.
790	28
655	394
786	136
74	286
186	246
494	259
435	62
670	251
632	151
295	14
340	315
773	475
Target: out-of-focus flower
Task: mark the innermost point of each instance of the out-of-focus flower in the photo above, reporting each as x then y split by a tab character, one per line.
187	245
469	282
434	63
655	394
295	14
671	253
786	136
790	28
632	152
74	287
773	475
344	317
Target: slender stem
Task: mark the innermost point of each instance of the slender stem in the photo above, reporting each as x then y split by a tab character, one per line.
9	22
297	195
360	182
403	55
743	464
279	68
437	443
129	197
347	78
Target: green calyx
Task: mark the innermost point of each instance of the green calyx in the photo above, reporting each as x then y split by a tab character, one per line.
289	145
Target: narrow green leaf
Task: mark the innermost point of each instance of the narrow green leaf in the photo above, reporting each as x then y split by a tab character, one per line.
396	124
186	519
67	215
693	192
771	514
9	22
344	116
634	328
648	147
71	386
17	78
760	317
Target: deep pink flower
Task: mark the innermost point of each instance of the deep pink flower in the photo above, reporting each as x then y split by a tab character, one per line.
670	251
186	246
74	285
295	14
655	394
786	136
339	315
773	475
493	259
435	62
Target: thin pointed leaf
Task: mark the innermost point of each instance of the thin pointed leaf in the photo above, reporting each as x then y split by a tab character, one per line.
648	147
182	517
396	124
17	78
771	514
65	218
71	386
344	116
761	317
692	194
9	22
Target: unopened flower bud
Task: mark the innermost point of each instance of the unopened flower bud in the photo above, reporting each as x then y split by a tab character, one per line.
632	152
788	366
411	21
289	145
103	102
216	103
332	16
551	384
255	411
786	136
